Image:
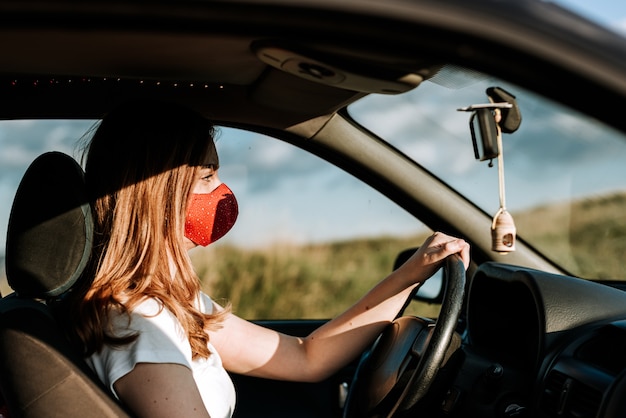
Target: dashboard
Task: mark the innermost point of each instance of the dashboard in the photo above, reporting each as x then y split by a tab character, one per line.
540	345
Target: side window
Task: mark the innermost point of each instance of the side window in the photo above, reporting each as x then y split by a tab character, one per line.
310	239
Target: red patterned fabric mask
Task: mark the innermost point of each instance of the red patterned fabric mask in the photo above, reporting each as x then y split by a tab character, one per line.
211	215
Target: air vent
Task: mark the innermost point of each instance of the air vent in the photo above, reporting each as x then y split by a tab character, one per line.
584	402
565	397
553	388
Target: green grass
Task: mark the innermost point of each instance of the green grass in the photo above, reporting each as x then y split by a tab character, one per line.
320	281
588	238
290	281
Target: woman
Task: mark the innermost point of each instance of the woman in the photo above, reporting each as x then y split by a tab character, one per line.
158	342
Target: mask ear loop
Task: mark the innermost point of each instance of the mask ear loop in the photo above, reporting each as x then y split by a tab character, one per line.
503	229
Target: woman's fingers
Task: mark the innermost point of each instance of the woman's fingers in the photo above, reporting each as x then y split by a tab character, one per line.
439	246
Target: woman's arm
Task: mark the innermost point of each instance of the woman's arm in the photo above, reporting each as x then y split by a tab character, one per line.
161	390
249	349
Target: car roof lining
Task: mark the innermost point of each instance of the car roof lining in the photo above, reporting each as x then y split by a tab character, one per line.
82	74
87	37
145	54
35	97
186	47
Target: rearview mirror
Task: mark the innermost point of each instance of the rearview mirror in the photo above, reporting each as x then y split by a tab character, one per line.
484	134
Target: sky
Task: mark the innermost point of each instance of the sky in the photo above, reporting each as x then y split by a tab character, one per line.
611	13
16	155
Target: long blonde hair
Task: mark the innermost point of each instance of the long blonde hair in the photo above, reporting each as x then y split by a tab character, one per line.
140	168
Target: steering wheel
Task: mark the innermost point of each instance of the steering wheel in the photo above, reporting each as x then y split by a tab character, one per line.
403	362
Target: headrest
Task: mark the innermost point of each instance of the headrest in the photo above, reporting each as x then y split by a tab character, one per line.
50	231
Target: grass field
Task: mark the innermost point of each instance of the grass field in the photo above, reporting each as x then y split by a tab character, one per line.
319	281
587	238
313	281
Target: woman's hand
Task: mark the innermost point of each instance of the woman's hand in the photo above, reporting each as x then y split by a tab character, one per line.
427	259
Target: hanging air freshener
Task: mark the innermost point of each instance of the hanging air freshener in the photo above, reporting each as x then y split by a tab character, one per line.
503	230
488	121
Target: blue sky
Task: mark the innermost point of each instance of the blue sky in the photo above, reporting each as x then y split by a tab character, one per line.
17	154
608	12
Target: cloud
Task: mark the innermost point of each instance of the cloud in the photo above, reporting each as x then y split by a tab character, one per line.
23	140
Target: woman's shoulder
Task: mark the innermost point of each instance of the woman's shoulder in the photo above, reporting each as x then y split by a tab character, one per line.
152	309
150	319
146	314
206	303
149	306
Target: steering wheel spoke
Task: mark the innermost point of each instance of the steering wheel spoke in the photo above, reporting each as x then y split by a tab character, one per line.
403	362
422	341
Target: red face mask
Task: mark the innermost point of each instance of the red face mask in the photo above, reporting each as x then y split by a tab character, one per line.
211	215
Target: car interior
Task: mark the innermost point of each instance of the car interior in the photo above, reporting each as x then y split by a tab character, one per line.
516	336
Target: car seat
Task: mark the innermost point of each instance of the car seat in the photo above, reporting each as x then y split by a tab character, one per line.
49	240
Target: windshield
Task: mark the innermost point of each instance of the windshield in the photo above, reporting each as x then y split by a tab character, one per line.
564	176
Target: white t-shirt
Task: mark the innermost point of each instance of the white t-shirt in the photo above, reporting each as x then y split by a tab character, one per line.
162	340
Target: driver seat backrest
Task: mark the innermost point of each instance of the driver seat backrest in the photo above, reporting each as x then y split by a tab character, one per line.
49	241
